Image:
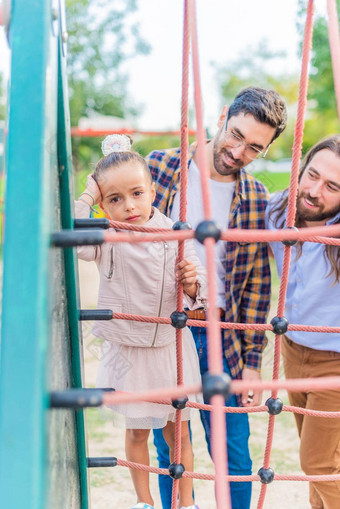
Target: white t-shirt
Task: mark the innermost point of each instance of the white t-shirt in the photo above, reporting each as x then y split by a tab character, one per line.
221	198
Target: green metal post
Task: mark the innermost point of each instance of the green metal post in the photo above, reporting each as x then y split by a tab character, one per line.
32	121
66	197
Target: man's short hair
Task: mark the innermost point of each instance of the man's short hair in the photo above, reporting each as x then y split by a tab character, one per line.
266	106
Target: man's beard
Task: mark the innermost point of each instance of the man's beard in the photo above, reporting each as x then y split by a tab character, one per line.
303	214
221	166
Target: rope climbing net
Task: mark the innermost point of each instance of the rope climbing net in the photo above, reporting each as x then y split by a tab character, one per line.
208	234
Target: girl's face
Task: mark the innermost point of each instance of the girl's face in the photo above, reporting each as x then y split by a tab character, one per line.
127	193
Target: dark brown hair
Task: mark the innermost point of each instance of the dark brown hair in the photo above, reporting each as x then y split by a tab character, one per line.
331	252
266	106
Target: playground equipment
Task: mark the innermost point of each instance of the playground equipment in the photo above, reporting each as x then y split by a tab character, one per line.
43	459
43	452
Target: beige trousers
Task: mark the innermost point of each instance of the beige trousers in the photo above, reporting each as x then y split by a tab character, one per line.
320	436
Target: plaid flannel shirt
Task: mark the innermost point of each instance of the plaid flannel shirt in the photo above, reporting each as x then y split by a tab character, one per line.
247	290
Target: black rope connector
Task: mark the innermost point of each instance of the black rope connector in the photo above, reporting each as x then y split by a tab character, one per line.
179	403
207	229
290	242
181	225
95	314
101	462
280	325
77	398
73	238
176	470
266	475
87	222
274	406
179	319
215	384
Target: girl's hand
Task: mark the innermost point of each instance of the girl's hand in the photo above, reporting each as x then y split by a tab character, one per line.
92	189
186	273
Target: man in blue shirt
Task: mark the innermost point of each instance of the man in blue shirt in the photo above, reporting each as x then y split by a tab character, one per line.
313	297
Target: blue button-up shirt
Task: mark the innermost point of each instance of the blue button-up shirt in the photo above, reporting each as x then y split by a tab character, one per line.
313	298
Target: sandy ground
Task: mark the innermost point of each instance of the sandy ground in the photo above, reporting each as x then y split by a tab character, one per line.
112	488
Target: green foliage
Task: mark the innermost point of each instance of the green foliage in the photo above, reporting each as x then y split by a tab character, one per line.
145	145
102	36
2	99
259	71
322	111
273	181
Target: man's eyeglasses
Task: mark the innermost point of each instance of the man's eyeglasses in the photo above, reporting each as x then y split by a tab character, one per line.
250	151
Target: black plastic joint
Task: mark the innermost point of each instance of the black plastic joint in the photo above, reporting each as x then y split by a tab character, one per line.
77	398
215	384
207	229
179	319
101	462
181	225
179	403
274	405
95	314
176	470
280	325
87	222
74	238
290	242
266	475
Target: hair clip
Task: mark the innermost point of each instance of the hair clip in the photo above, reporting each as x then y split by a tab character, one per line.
116	143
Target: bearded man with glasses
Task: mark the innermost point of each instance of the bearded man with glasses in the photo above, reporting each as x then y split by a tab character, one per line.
254	120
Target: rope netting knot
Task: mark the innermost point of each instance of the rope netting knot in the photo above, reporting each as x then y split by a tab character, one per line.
323	235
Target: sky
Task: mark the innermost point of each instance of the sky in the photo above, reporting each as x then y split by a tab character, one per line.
226	28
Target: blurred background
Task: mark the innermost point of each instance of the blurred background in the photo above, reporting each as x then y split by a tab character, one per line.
124	70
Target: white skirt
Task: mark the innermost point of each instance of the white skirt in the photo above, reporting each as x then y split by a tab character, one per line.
132	369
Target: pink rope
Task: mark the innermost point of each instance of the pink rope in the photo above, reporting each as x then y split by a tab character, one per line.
201	138
334	44
304	234
230	478
184	115
315	234
247	410
313	413
291	211
225	325
182	217
237	386
218	426
302	104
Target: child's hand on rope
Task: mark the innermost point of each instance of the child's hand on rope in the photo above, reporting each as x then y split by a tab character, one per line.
186	274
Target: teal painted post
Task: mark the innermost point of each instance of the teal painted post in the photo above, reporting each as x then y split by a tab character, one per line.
28	220
71	272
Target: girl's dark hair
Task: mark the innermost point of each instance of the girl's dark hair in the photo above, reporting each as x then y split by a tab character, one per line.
116	159
332	253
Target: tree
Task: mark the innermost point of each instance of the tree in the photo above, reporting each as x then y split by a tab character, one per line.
102	36
322	111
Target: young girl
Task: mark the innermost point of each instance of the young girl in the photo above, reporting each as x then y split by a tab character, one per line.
141	279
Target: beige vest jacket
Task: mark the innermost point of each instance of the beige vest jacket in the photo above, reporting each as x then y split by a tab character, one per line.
140	279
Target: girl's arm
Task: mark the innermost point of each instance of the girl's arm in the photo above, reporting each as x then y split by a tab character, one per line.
89	197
